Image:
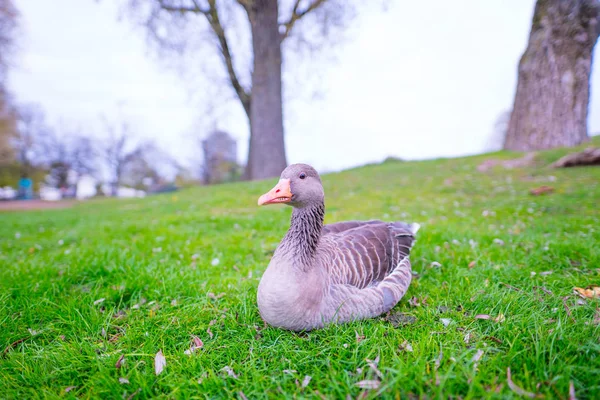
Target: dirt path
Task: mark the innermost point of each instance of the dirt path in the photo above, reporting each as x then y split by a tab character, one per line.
18	205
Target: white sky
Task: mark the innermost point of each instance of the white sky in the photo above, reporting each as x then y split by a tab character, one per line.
421	80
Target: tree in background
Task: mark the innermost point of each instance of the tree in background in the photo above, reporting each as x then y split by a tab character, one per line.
29	142
117	152
551	102
269	24
8	115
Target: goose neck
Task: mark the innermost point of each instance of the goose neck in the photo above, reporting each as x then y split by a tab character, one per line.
303	236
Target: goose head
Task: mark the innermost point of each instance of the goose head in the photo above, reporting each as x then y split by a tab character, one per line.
299	186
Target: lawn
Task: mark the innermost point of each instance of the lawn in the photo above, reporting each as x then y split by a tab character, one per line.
89	295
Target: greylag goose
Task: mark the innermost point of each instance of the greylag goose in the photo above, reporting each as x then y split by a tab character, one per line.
335	273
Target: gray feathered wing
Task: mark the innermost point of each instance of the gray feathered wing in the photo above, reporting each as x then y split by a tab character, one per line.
368	266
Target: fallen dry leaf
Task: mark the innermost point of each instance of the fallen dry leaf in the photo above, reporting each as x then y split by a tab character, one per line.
123	381
306	381
541	190
215	297
499	318
69	388
120	362
494	339
590	292
467	338
195	345
572	391
472	264
368	384
414	302
209	332
405	347
482	316
359	338
229	371
398	319
289	371
99	301
13	345
373	365
477	356
515	388
445	321
159	362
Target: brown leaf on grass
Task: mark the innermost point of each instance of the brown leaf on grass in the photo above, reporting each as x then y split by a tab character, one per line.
13	345
405	347
373	366
572	391
69	388
398	319
99	301
482	316
543	289
368	384
472	264
359	338
195	345
215	297
590	292
500	318
306	381
467	337
414	302
494	339
210	334
124	381
541	190
229	371
511	287
159	362
515	388
120	362
477	356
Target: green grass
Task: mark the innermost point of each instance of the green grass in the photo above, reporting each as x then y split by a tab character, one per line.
151	261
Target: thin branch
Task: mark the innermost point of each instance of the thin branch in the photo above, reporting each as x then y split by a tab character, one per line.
213	19
212	15
297	15
196	9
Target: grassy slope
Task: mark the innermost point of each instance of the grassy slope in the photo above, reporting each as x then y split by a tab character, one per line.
161	248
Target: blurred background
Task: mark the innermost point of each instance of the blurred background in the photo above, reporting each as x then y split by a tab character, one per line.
130	97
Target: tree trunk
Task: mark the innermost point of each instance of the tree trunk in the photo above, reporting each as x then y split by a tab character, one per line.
266	154
551	103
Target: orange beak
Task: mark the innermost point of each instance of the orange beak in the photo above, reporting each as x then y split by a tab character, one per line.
281	193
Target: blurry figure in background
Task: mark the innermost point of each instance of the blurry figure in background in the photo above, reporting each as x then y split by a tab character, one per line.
220	158
25	188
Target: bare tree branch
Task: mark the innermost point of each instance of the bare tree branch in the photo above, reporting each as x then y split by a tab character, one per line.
215	23
212	15
196	9
297	15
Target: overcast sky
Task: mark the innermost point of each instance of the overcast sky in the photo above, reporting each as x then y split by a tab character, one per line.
420	80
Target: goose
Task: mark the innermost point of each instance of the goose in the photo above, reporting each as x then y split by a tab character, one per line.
335	273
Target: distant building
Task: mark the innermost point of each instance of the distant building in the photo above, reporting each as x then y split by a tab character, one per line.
220	158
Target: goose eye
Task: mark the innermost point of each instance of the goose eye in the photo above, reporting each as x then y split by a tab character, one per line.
302	175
